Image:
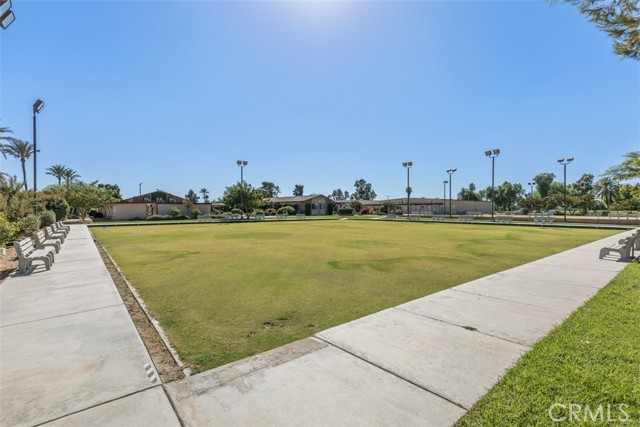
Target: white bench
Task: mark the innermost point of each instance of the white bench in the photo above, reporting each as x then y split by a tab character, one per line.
57	228
541	218
624	247
414	217
503	219
27	253
41	242
51	234
259	217
59	225
439	218
205	218
281	216
300	216
234	217
466	218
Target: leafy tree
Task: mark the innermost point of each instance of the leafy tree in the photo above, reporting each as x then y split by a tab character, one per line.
70	176
240	194
83	197
543	183
337	195
21	150
469	193
269	189
628	197
356	205
57	171
507	195
531	203
14	202
628	169
618	18
388	207
298	190
583	186
364	190
114	189
205	195
606	190
4	137
192	196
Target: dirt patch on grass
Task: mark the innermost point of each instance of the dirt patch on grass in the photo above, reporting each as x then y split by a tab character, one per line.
8	263
165	364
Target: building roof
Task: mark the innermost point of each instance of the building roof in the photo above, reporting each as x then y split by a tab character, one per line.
157	196
295	199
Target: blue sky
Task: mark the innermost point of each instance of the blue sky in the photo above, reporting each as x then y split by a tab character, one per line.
319	93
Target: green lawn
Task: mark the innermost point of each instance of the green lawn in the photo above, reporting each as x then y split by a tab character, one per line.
592	359
226	291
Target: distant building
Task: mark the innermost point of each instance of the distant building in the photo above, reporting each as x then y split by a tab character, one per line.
314	204
154	203
427	206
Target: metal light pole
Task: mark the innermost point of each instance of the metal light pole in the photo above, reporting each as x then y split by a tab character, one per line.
242	164
140	189
493	154
408	166
450	172
530	188
37	107
564	163
444	195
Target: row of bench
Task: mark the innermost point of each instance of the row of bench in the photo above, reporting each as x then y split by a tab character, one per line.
45	244
625	247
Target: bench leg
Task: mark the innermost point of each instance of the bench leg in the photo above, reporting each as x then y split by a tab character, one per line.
603	252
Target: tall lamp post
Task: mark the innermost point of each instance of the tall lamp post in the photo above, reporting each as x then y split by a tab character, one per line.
408	166
450	172
242	164
37	107
444	195
564	163
530	184
493	154
140	189
6	14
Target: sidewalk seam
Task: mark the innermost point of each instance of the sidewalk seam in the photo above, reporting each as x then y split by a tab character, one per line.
60	315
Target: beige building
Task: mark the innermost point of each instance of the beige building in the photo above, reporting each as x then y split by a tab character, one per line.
155	203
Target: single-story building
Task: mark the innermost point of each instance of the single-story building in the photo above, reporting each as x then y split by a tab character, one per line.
427	206
314	204
154	203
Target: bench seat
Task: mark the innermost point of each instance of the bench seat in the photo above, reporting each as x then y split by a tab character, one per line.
27	253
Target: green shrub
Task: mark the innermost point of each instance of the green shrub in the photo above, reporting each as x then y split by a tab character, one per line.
7	230
258	212
26	226
271	211
286	210
158	217
176	212
59	206
215	212
194	212
345	211
235	211
47	218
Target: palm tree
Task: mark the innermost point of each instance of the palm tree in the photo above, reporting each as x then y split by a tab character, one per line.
4	137
205	194
606	189
20	150
70	175
58	171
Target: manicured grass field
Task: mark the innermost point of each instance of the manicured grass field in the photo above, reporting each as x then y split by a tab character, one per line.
590	361
224	292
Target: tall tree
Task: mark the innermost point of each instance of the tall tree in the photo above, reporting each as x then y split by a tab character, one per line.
298	190
113	189
70	176
337	194
583	186
238	195
606	190
21	150
618	18
364	190
628	169
4	137
192	196
57	171
469	193
543	183
507	195
269	189
205	195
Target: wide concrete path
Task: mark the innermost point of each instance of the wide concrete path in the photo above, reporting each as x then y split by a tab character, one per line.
69	352
423	363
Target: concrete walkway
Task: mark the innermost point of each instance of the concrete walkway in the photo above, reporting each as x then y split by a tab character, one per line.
70	355
69	352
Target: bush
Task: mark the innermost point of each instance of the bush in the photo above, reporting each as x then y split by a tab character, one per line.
345	211
59	206
271	212
215	212
47	218
7	230
364	211
176	212
194	212
26	226
286	210
258	212
235	211
95	213
158	217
